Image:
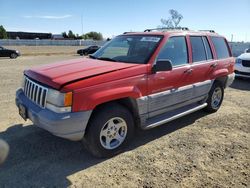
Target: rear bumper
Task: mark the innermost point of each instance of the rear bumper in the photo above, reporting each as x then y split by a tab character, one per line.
66	125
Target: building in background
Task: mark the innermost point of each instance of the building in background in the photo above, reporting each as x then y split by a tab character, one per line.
28	35
58	37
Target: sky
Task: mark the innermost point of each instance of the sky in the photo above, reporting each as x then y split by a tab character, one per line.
113	17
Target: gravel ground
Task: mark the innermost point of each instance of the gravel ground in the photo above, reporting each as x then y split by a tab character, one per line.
199	150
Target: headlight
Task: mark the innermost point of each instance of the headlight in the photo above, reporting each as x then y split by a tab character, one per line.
238	61
59	102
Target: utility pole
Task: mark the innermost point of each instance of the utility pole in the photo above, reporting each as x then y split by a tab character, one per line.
82	23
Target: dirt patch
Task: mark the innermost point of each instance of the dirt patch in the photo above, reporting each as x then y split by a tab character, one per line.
199	150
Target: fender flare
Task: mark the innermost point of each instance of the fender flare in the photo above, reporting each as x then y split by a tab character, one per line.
104	96
220	73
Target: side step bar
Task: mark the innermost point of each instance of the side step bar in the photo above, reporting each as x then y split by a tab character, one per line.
154	122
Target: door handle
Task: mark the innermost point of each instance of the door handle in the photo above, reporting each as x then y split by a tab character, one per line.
214	65
188	71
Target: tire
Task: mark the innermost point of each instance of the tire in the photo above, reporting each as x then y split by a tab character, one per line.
13	56
109	124
215	97
81	54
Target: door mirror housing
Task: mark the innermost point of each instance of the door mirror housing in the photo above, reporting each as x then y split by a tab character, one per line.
162	65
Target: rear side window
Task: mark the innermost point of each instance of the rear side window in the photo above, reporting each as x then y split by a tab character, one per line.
198	49
220	47
208	49
175	50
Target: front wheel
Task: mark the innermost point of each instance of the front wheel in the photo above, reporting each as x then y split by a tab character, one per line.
109	131
215	97
13	56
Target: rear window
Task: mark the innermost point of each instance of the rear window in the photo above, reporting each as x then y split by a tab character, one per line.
220	47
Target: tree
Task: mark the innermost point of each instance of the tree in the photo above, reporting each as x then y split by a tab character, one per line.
93	35
64	34
71	35
173	21
3	34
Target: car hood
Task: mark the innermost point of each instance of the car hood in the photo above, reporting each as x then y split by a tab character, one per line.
59	74
244	56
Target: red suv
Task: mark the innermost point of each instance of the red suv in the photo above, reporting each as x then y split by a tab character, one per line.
142	79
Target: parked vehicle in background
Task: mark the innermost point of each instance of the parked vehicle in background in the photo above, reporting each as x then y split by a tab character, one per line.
88	50
141	79
4	52
242	65
247	50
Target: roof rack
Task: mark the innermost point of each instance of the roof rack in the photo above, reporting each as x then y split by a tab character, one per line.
210	31
166	29
128	32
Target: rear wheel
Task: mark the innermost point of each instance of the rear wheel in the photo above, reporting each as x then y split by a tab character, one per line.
13	56
109	131
215	97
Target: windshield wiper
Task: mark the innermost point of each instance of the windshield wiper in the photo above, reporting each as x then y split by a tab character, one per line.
106	59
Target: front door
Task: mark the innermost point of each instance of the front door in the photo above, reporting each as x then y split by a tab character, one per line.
170	89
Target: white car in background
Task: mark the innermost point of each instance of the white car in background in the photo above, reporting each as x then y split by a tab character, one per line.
242	65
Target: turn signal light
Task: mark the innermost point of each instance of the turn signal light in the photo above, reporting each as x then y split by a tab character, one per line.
68	99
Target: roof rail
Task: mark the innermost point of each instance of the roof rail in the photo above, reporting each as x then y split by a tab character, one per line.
210	31
166	29
129	32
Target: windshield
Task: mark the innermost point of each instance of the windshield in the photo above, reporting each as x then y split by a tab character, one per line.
129	49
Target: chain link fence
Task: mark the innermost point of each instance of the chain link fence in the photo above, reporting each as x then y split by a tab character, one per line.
24	42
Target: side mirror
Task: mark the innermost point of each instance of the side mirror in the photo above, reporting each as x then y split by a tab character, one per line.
162	65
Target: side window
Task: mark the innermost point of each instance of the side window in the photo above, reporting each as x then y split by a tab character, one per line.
198	49
208	49
175	50
220	47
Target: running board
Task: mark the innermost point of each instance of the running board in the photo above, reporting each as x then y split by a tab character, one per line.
170	116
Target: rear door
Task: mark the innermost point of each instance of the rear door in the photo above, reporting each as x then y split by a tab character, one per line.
168	89
203	65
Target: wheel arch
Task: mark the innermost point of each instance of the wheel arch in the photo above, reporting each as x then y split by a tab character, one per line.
222	80
127	102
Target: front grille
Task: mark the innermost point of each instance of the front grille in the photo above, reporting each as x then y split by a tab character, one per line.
35	92
243	73
246	63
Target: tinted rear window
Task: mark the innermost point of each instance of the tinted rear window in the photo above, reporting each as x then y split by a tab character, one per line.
220	47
